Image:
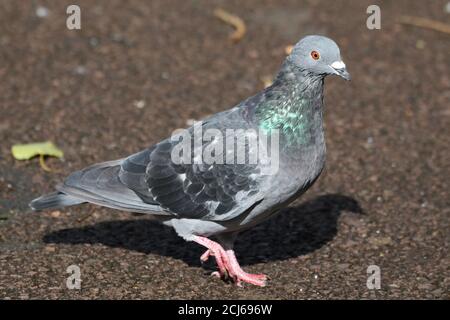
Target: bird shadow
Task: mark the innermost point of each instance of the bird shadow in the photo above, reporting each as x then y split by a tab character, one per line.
296	231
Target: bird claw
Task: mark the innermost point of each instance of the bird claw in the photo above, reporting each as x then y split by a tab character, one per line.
228	265
205	256
255	279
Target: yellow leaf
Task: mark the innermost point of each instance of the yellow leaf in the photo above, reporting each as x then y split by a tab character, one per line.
30	150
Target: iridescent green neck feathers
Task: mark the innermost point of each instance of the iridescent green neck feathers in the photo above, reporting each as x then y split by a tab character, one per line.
293	106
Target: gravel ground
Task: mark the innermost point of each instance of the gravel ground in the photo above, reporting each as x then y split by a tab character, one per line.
139	69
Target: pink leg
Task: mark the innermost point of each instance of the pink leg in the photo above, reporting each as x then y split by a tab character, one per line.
239	275
215	250
228	264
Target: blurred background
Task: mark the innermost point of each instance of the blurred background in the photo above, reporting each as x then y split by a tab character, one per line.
137	70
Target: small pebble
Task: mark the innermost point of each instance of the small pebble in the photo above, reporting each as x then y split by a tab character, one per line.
42	12
253	54
50	248
93	41
267	81
140	104
190	122
165	75
288	49
420	44
80	70
117	37
55	214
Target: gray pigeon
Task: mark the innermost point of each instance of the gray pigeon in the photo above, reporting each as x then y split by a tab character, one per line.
174	183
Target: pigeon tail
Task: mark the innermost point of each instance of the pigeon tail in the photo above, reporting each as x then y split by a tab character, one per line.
53	200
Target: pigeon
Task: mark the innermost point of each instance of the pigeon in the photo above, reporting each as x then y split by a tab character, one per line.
215	198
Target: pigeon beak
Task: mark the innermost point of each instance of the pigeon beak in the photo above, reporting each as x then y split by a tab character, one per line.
340	70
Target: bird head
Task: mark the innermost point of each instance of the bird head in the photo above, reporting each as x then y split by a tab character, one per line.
320	56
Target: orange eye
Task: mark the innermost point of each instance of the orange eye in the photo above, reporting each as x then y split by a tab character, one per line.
315	55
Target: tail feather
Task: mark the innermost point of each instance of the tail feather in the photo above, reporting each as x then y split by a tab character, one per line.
99	184
53	200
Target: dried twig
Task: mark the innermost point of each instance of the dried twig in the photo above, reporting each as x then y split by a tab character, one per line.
233	20
425	23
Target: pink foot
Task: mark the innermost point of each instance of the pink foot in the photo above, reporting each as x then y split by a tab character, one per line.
240	275
206	255
228	264
216	250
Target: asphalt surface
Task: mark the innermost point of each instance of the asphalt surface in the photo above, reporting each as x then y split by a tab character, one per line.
137	70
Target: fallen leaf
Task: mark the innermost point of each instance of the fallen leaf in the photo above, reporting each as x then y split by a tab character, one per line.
41	149
30	150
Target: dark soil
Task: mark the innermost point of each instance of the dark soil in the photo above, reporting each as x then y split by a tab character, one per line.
383	198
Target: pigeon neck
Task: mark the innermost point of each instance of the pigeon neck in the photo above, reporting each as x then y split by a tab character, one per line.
293	106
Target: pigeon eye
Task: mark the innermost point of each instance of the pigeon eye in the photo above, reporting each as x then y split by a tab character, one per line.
315	55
